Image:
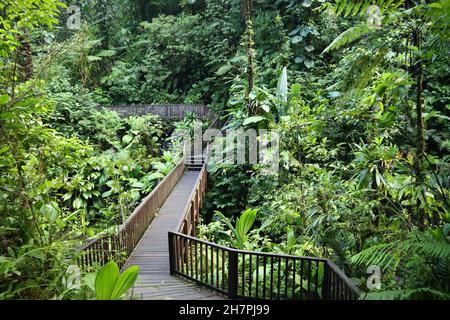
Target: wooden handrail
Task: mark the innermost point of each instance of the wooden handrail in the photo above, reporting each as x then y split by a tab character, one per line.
170	180
229	274
242	274
119	246
164	111
195	193
226	270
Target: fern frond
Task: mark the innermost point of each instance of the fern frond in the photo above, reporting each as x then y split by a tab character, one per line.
435	249
424	293
384	254
345	7
360	69
347	36
379	255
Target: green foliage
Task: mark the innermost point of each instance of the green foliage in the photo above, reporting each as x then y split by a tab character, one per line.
354	184
419	262
347	37
193	46
110	285
243	226
344	7
228	191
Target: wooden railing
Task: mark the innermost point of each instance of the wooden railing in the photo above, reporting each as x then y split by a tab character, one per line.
191	214
119	246
165	111
241	274
238	274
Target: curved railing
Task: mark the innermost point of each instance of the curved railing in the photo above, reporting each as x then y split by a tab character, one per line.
238	274
235	273
241	274
119	246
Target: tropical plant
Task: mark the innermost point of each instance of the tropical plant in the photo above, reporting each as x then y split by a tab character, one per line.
243	225
110	285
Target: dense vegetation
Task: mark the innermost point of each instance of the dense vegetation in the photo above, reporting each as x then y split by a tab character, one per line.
361	106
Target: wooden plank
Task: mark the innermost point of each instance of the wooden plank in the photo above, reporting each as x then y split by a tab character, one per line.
151	253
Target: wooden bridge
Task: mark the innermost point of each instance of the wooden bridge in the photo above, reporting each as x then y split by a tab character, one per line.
152	252
164	111
160	237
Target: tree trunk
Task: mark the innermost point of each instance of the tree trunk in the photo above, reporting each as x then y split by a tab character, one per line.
26	59
250	54
417	74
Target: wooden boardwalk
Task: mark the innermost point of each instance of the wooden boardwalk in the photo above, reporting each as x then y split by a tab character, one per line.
164	111
152	253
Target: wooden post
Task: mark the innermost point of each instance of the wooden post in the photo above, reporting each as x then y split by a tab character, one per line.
232	274
171	254
326	282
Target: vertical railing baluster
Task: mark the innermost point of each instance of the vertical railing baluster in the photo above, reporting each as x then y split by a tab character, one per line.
243	275
336	286
332	285
93	254
279	278
212	266
223	269
177	250
338	289
171	254
190	255
317	279
196	260
250	276
293	279
217	267
264	275
257	276
201	261
271	278
309	279
232	274
186	250
182	254
206	262
286	279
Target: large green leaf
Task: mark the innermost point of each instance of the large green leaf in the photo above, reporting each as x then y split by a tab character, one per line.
106	280
253	119
245	222
125	282
126	139
4	98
